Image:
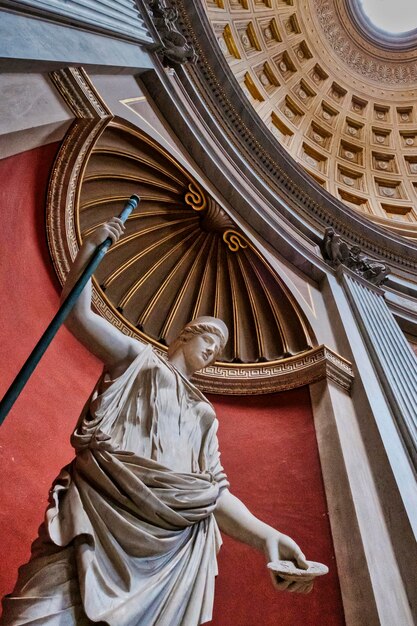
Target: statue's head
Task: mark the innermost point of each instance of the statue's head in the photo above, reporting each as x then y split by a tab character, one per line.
200	342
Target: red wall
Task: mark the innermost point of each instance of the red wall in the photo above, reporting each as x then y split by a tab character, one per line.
34	439
268	443
269	452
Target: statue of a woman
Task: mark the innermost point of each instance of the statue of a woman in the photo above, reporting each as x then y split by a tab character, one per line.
131	534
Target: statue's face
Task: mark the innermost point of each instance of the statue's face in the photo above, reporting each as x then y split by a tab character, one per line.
200	350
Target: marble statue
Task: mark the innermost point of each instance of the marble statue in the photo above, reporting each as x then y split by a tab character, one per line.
132	530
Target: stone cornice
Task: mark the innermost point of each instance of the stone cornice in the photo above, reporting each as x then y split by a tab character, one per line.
120	19
304	369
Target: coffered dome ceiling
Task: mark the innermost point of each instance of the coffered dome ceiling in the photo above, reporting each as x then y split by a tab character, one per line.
338	95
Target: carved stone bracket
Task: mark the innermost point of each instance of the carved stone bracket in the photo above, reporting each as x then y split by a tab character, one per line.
337	252
173	47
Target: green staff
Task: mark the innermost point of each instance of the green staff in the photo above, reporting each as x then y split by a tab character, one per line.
23	376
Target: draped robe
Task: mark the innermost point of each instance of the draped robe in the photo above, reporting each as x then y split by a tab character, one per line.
130	537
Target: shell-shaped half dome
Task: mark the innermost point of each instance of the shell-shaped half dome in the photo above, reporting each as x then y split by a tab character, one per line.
181	256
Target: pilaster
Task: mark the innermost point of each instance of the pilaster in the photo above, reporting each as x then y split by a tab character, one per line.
390	352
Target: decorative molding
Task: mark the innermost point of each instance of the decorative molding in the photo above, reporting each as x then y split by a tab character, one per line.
390	73
63	189
231	379
79	94
195	198
234	240
297	371
220	378
92	116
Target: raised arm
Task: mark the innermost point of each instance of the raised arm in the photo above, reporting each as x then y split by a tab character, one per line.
111	346
235	519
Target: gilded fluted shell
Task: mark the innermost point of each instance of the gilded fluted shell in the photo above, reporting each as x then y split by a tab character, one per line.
182	256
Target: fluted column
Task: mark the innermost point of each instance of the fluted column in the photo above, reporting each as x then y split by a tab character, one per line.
390	352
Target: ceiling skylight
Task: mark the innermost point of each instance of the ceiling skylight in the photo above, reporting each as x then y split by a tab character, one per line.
392	16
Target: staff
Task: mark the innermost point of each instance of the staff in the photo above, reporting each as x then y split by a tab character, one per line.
23	376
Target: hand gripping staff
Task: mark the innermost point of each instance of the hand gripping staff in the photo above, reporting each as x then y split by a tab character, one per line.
23	376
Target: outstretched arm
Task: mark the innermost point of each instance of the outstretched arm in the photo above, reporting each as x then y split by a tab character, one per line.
111	346
235	519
